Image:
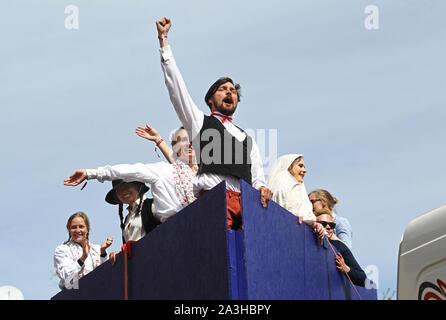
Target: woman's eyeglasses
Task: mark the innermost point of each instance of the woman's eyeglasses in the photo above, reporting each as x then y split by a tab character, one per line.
325	224
314	200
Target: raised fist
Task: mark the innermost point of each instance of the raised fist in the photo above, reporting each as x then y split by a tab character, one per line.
163	25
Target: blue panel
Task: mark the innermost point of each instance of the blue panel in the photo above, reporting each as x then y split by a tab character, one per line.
241	270
186	257
274	249
316	268
233	265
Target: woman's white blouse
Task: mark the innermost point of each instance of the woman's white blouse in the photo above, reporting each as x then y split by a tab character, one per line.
67	267
133	227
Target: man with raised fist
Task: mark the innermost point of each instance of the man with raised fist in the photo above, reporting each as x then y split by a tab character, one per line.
226	152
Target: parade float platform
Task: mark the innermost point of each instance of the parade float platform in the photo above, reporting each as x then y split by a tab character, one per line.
193	256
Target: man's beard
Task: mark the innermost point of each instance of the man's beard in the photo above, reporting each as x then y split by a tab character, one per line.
225	111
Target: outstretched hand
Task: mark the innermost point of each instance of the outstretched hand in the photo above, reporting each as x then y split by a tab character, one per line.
163	25
76	178
148	133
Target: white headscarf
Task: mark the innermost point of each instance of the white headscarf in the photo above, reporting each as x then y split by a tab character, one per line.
298	204
281	164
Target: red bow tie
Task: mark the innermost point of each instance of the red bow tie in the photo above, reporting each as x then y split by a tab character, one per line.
222	116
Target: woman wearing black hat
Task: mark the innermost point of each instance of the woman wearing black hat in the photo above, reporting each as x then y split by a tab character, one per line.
140	219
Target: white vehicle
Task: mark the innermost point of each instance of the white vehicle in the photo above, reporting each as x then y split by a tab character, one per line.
422	258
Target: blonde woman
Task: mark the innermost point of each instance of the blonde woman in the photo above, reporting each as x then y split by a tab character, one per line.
77	256
324	201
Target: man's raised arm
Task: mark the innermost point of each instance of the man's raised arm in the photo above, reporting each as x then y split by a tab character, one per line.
188	113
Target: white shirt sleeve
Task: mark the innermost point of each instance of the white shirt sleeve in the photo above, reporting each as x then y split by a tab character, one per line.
190	116
308	215
128	172
306	207
257	175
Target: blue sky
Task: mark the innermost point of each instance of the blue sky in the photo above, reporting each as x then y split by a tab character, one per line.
364	107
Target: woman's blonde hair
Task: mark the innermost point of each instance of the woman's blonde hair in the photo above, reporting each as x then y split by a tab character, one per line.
175	134
329	200
78	214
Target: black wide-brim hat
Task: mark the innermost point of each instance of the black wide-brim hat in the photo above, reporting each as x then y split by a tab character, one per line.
111	196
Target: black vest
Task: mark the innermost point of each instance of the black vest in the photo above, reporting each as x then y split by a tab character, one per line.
222	153
149	222
148	219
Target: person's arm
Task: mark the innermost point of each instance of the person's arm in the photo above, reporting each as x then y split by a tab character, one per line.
306	208
343	231
346	262
188	113
146	173
151	134
258	177
127	172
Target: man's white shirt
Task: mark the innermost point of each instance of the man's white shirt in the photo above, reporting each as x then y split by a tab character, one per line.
192	119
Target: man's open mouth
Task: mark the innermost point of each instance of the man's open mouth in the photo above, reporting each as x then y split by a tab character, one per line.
228	100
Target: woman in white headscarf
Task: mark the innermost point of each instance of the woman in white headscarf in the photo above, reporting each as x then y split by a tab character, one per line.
287	184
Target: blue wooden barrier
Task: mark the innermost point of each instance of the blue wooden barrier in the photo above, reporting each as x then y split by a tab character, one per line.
283	260
194	256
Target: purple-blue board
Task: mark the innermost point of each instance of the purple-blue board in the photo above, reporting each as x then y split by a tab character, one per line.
283	259
194	256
